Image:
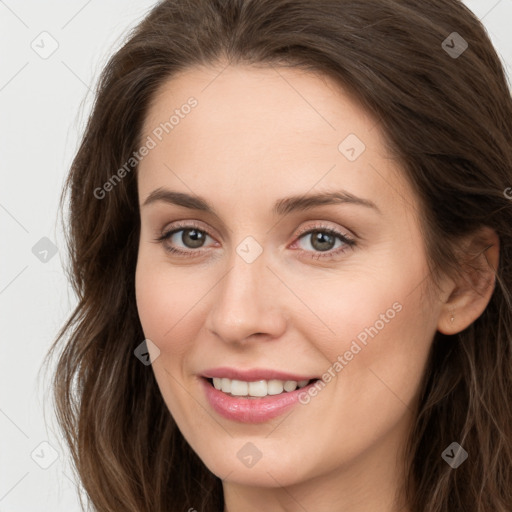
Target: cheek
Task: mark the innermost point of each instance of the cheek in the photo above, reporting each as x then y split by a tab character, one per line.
374	365
162	305
356	308
382	361
379	331
153	299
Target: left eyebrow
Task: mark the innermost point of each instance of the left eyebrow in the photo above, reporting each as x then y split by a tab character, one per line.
308	201
281	207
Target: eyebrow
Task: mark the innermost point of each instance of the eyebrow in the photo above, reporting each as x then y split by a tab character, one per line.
281	207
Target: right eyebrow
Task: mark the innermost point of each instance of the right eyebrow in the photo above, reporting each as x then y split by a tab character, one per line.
179	199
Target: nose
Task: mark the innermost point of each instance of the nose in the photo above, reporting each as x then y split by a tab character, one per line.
247	303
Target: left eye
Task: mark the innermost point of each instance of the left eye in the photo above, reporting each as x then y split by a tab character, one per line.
323	241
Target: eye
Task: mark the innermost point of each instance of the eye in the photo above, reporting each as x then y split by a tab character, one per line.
190	236
324	242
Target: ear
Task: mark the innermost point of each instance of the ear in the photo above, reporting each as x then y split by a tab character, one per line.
467	295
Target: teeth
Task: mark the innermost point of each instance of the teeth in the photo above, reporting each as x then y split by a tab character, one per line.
258	388
274	387
226	384
239	388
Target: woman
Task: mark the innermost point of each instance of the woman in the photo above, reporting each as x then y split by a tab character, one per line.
297	212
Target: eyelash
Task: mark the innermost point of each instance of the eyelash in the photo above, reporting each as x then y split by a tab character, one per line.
347	241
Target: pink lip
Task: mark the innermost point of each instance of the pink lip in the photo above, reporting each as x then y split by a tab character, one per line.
251	410
253	375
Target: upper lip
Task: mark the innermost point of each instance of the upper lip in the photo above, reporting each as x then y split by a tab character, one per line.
253	374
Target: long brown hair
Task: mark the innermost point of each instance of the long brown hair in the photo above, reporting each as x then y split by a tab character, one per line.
446	117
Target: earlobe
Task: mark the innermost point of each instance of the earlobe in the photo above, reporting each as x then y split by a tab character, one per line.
473	289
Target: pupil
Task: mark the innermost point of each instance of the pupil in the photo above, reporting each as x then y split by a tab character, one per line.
322	241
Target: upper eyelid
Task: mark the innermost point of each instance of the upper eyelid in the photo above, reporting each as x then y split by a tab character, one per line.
179	225
183	225
321	227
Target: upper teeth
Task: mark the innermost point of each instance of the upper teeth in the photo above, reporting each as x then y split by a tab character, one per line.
257	388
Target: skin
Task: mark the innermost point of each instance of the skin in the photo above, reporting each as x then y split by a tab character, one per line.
259	134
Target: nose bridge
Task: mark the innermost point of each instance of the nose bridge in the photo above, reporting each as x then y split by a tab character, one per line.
245	301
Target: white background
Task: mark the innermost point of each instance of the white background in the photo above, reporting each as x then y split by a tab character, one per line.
44	104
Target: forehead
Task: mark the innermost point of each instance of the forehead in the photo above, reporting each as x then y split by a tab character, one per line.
252	130
287	101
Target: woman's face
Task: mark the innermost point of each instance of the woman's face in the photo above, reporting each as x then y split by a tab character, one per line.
300	258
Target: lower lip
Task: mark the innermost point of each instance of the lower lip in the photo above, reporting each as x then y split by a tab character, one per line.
251	410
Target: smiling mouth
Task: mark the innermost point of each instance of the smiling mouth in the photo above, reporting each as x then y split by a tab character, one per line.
257	389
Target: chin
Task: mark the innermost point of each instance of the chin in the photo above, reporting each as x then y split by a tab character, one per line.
273	471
